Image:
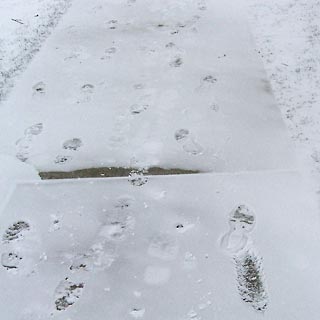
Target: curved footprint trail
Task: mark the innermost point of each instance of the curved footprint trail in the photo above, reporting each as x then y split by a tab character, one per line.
250	276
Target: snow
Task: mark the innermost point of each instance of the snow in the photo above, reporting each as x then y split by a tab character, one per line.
24	26
286	33
172	272
159	83
127	106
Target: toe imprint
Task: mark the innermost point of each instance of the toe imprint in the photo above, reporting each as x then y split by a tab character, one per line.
250	278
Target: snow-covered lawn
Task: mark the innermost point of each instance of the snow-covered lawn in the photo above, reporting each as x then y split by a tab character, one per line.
24	26
287	36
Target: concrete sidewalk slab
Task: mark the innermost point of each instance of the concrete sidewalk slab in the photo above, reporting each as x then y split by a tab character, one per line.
176	248
147	83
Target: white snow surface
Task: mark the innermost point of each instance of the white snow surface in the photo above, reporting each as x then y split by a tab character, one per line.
172	84
125	79
148	268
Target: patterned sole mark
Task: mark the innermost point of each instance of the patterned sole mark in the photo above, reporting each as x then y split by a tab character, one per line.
137	178
241	222
99	257
15	231
202	5
250	279
209	79
67	293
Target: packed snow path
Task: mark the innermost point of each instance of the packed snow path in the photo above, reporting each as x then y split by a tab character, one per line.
140	84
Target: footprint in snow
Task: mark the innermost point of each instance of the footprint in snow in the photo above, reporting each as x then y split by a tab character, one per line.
67	293
109	53
16	231
24	144
33	130
215	107
10	260
124	202
251	280
39	88
189	144
250	276
72	144
20	248
112	24
241	222
86	92
202	5
176	62
163	246
62	159
117	224
138	108
137	178
170	45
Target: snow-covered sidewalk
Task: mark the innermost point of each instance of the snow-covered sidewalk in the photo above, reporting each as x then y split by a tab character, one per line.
153	84
175	248
147	84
